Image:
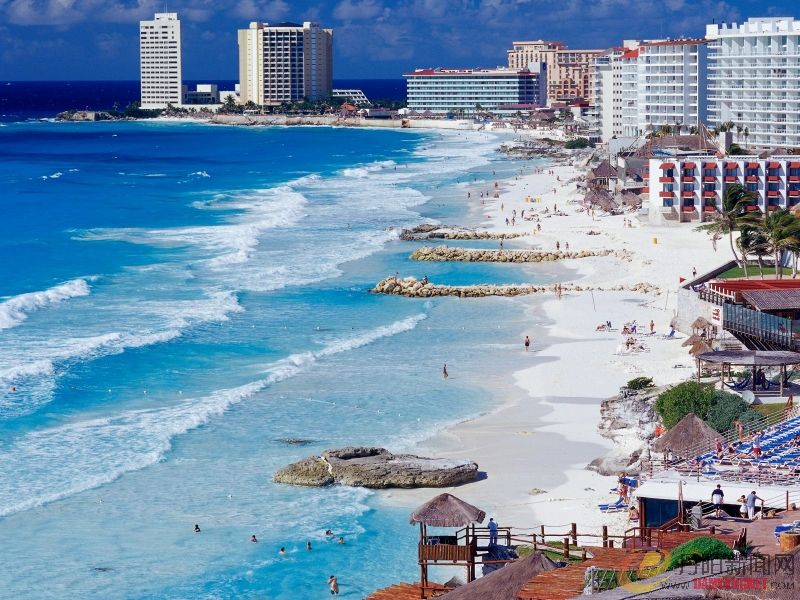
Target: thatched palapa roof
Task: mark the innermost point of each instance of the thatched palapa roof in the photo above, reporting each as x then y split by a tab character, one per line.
700	323
691	340
700	347
752	358
686	436
504	583
445	510
601	198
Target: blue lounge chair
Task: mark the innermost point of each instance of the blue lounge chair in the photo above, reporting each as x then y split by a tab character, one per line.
613	506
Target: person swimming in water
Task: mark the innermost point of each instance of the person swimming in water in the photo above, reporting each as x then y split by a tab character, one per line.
282	551
196	528
253	538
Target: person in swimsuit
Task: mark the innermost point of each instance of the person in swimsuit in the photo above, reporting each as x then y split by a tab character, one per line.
527	343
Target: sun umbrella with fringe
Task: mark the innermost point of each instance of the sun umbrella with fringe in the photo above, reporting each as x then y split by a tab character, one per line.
700	347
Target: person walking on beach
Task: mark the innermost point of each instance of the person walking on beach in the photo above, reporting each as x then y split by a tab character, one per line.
445	374
333	585
652	327
717	497
558	246
527	343
492	526
566	246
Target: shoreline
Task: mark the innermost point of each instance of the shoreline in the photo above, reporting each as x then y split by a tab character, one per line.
540	431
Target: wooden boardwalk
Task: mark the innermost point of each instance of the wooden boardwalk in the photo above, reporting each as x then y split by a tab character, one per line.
567	582
406	591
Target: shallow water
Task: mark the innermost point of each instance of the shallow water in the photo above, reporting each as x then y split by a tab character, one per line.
177	300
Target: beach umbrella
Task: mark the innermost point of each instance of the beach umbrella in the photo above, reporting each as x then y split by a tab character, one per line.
700	347
692	340
505	583
445	510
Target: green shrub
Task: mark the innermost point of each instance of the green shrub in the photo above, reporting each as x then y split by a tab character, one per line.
698	550
640	383
684	398
577	143
720	409
726	408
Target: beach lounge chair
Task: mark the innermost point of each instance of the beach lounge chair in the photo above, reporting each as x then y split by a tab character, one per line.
784	527
613	506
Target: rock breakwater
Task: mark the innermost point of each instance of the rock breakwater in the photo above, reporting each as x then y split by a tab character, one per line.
444	253
439	232
376	468
413	288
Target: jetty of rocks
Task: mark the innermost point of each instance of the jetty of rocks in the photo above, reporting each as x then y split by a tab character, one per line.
445	253
440	232
376	468
413	288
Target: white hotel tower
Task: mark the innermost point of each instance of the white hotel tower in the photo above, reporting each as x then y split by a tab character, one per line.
160	61
754	79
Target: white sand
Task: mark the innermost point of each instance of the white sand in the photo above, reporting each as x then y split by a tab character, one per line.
545	439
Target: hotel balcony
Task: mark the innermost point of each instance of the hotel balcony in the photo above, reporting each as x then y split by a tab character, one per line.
709	178
773	178
687	194
794	178
731	178
666	194
688	179
666	179
751	179
773	194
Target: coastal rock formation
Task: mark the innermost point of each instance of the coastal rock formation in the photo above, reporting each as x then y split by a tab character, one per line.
439	232
444	253
376	468
412	288
629	420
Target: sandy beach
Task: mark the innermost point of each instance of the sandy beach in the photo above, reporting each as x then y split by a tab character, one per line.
535	445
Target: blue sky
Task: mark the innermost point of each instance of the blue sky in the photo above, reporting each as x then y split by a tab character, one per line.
98	39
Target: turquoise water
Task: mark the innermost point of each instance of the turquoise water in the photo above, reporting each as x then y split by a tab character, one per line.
177	300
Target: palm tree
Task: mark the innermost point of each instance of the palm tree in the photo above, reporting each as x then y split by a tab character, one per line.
752	242
781	230
746	135
738	133
733	216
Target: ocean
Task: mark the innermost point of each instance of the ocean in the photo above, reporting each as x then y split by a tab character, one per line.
177	300
20	100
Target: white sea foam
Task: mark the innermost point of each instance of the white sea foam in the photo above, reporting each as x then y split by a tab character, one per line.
199	174
16	309
46	359
55	175
366	170
222	245
50	464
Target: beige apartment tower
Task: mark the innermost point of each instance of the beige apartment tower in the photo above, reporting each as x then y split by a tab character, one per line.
160	61
285	62
569	72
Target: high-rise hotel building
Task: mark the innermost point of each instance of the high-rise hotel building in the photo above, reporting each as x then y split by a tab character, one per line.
285	62
568	71
160	61
754	79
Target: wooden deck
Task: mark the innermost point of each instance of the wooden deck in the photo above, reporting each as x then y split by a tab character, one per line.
406	591
673	539
567	582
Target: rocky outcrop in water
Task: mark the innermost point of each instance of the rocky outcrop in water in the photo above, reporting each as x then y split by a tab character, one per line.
439	232
629	420
376	468
444	253
412	288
